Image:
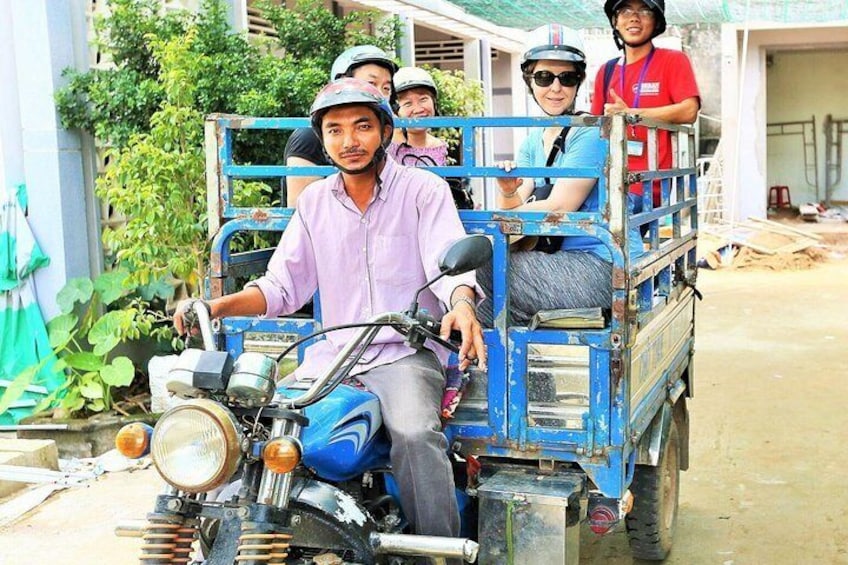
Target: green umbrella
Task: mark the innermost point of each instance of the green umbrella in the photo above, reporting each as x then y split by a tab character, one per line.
27	364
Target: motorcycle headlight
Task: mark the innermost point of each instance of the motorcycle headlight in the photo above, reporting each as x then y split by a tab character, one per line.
196	446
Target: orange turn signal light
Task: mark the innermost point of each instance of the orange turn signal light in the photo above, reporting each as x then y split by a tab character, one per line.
281	455
133	440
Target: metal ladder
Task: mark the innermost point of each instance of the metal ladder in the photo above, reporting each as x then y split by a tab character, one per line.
807	131
833	130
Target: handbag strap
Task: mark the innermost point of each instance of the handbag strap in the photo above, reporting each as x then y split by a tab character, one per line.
609	68
558	145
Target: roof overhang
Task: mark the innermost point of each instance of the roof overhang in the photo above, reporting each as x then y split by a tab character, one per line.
449	18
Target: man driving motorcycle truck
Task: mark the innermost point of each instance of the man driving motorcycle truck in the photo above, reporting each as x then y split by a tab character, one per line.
367	238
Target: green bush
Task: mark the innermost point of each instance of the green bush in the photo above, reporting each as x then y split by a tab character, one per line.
457	97
312	33
169	72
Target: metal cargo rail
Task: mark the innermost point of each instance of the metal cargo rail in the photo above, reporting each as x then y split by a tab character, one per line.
499	416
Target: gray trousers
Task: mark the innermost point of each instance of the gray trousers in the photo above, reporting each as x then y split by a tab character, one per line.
410	392
548	281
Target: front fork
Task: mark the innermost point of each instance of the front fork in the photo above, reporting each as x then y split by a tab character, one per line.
170	530
274	489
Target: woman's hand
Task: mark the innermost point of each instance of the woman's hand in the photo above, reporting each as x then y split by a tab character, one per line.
508	186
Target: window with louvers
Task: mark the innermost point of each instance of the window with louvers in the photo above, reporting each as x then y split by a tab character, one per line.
257	25
440	52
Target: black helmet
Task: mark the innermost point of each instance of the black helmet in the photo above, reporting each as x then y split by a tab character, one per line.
657	6
346	91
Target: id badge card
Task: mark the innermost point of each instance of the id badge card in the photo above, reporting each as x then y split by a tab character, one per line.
635	148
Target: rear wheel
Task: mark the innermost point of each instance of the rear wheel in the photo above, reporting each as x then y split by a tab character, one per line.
656	490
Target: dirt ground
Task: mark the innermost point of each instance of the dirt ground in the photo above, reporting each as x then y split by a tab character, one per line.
767	477
767	473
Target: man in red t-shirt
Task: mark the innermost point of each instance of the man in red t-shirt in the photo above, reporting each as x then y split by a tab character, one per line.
657	83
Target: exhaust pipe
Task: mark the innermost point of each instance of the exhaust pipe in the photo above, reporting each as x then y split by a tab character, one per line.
131	528
425	546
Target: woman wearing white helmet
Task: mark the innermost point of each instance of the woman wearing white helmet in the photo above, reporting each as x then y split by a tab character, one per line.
416	98
570	272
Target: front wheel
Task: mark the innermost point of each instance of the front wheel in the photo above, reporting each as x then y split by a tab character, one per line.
656	490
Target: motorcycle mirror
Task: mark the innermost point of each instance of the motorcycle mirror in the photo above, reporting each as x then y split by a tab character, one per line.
466	254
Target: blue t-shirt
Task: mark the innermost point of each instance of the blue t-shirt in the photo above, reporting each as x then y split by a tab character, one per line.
584	148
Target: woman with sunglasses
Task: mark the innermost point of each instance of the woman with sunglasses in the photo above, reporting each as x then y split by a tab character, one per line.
570	272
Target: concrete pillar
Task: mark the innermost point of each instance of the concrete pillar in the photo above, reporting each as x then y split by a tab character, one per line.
47	37
477	65
11	144
471	59
743	111
406	49
237	15
729	116
519	99
486	74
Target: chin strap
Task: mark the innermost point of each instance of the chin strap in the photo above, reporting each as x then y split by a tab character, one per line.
619	42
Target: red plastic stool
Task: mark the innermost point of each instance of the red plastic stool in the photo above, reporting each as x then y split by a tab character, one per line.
779	197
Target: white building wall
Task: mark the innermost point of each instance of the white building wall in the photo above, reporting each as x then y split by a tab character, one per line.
11	143
745	102
39	39
803	85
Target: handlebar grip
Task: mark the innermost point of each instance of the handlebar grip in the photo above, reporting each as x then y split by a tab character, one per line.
444	343
431	326
197	315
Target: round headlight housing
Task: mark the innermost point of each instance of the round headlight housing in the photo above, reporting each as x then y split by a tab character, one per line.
196	446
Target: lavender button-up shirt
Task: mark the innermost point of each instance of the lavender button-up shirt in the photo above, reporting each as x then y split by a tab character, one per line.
365	263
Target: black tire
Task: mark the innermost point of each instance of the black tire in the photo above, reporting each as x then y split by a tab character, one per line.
656	490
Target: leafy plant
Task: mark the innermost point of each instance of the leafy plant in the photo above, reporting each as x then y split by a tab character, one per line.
457	97
157	183
173	68
115	103
83	339
311	32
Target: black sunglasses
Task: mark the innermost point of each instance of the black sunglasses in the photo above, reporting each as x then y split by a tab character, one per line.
566	78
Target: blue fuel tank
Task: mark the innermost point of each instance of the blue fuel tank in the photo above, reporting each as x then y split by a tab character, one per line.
345	435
